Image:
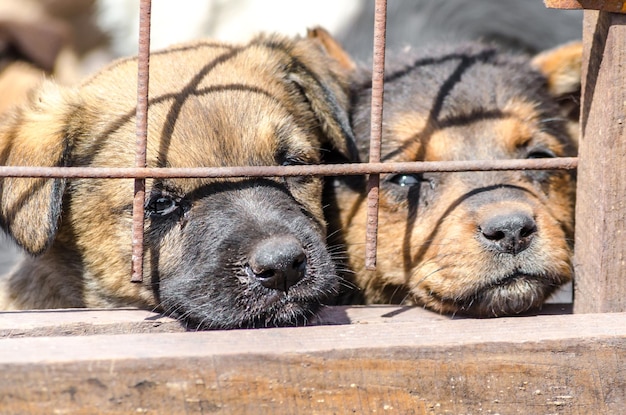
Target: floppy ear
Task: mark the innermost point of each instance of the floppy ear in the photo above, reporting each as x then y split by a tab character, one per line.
324	79
36	134
562	68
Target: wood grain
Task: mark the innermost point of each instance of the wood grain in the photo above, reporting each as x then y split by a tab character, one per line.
600	254
77	322
387	360
614	6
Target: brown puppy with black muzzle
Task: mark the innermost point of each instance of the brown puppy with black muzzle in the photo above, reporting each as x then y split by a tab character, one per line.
247	252
476	243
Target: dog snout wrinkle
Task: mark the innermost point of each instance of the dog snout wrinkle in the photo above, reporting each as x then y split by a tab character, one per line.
278	262
509	233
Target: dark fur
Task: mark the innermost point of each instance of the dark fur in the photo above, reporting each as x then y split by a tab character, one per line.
212	280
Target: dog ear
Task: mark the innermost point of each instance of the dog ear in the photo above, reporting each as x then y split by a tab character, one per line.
562	68
332	48
326	84
37	135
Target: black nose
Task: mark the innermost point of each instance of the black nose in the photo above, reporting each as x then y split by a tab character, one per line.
278	262
508	233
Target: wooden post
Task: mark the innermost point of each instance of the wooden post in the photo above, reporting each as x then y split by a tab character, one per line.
615	6
600	255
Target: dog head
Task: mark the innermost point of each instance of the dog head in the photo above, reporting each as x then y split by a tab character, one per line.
218	253
481	243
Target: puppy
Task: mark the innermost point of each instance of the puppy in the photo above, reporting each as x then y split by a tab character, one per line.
477	243
247	252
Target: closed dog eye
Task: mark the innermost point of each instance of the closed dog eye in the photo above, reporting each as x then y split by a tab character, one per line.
540	153
293	161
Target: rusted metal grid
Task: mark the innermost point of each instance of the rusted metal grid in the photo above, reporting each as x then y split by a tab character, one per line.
374	167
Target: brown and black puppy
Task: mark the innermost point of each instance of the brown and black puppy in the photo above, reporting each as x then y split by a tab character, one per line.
478	243
247	252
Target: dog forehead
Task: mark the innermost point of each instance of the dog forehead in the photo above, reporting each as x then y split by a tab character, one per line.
475	138
480	140
230	129
189	67
209	105
454	82
474	119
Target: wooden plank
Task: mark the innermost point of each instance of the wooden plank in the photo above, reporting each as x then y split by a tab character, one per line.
614	6
600	254
397	360
37	323
82	322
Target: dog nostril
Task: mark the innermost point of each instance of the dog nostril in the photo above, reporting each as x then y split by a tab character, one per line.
264	275
299	264
278	262
528	230
493	236
508	233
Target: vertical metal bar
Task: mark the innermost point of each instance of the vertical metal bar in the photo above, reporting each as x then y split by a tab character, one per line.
373	184
143	63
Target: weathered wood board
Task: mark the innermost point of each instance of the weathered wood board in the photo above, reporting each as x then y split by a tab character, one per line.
386	360
614	6
600	257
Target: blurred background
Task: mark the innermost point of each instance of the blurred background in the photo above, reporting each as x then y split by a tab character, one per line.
69	39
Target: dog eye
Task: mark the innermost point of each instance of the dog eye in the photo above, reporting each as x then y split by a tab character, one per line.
540	153
162	205
292	161
406	179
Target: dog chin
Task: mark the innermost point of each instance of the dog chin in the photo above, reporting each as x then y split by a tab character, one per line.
506	296
282	311
243	302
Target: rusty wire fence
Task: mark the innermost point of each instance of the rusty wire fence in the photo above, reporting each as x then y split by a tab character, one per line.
373	168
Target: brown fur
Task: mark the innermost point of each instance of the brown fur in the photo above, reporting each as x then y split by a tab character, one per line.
442	239
272	101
